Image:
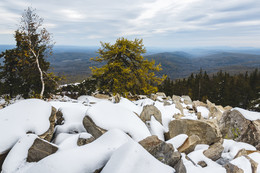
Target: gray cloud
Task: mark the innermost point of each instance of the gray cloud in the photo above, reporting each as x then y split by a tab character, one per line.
159	22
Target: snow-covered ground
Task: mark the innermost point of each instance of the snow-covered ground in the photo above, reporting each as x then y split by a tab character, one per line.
117	150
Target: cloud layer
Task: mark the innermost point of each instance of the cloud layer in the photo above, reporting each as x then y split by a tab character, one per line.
164	23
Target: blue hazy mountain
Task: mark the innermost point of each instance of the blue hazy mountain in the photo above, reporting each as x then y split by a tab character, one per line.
176	63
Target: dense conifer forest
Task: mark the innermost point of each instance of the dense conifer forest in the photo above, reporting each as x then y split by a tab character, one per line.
241	90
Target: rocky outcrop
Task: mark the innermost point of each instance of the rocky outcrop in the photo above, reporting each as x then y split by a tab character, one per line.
49	133
234	125
164	152
92	128
149	111
207	131
214	151
189	144
39	150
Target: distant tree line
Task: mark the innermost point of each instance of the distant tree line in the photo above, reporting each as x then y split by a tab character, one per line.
242	90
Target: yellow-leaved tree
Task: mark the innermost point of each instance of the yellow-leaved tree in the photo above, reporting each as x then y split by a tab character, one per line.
125	68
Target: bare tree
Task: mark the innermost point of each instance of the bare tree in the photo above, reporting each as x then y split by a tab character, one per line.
37	40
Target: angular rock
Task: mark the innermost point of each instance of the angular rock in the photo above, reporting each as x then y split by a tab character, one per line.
177	117
227	108
150	110
214	112
176	99
244	152
117	98
39	150
102	96
166	103
230	168
254	164
49	133
207	131
197	103
150	142
203	164
179	106
189	144
187	100
59	117
92	128
164	152
161	94
214	151
234	125
153	97
84	141
199	116
179	167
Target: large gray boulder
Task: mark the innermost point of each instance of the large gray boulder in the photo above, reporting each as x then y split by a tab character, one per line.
207	131
39	150
149	111
163	152
234	125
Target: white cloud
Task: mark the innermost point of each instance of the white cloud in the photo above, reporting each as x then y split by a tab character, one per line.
84	22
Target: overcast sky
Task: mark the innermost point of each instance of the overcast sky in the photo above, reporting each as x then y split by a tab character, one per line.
161	23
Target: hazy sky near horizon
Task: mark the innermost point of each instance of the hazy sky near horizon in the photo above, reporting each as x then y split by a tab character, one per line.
162	23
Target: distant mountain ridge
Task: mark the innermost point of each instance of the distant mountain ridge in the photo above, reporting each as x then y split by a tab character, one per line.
177	66
75	61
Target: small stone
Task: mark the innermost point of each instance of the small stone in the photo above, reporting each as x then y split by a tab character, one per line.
189	144
214	151
203	164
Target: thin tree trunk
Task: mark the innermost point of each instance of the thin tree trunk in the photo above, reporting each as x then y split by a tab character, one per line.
41	73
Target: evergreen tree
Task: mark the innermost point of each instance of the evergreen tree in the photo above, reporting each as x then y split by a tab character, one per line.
9	73
241	90
126	70
26	65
